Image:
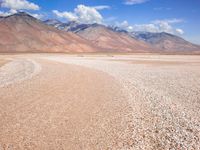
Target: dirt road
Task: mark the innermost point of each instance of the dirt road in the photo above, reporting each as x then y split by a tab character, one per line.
121	102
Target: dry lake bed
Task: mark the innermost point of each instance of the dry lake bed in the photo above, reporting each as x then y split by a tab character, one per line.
58	101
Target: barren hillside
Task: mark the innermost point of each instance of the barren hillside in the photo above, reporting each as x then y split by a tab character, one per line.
24	33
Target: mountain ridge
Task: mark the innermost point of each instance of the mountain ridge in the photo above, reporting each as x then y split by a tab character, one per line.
166	41
25	33
108	39
163	41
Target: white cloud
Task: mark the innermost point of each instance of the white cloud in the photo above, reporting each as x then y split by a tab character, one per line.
163	26
169	21
19	4
124	24
88	14
10	12
38	16
179	31
68	15
4	13
82	13
101	7
16	5
146	27
133	2
13	11
154	26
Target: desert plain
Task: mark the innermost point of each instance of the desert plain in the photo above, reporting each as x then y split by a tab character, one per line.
99	101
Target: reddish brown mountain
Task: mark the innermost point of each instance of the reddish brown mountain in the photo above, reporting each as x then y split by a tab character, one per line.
23	33
110	40
117	39
167	42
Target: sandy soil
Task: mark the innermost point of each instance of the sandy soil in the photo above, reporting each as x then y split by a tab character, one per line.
64	107
101	102
18	70
3	62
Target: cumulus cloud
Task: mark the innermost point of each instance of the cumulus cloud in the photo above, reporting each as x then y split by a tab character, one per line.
88	14
68	15
15	6
19	4
82	14
133	2
125	25
10	12
147	27
154	26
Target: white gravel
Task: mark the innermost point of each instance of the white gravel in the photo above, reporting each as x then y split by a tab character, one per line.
165	100
17	71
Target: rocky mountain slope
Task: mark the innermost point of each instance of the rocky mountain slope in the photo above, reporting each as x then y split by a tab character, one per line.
105	37
166	41
53	22
163	42
23	33
71	26
110	40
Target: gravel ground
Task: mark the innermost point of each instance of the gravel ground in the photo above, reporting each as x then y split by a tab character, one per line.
3	62
100	102
18	70
165	97
64	107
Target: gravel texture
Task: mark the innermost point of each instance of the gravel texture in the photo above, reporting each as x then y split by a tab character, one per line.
127	102
164	96
18	70
3	62
64	107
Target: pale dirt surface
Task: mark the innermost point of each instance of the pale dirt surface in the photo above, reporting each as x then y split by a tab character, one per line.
64	107
165	98
18	70
2	62
101	102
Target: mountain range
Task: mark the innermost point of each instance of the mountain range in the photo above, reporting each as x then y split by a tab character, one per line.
104	37
21	32
165	41
24	33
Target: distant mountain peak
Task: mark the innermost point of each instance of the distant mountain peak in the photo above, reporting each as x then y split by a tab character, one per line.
159	41
165	41
22	13
118	29
21	16
53	20
24	33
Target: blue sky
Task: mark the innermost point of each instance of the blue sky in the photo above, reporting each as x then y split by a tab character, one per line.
180	17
